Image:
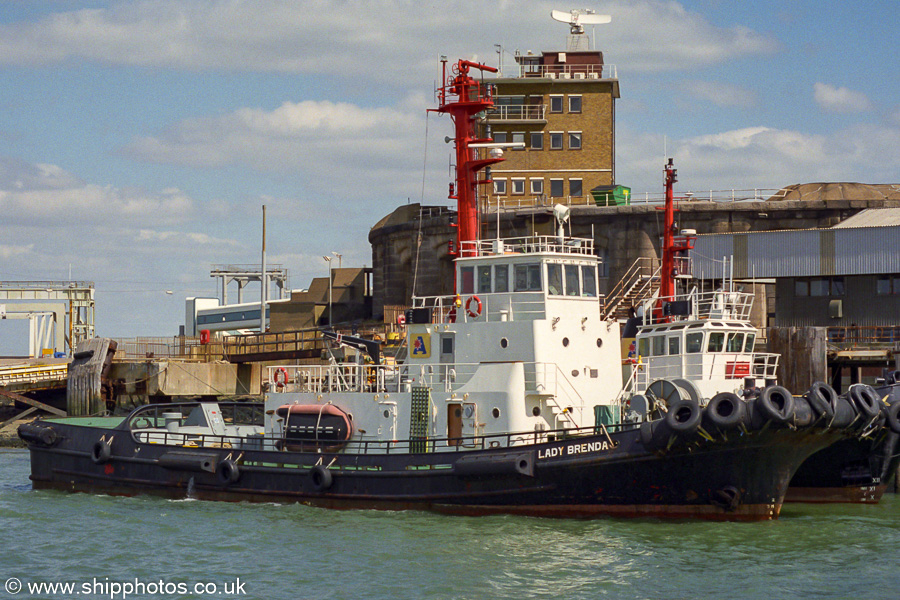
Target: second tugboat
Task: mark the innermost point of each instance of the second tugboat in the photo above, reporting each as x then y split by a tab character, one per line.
507	403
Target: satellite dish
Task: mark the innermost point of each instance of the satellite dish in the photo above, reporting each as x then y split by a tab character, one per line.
578	18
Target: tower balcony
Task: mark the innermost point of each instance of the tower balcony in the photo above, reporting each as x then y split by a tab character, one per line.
517	113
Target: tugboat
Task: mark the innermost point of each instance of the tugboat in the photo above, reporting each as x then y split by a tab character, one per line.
509	402
701	346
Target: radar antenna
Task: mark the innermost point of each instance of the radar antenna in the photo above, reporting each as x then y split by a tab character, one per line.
577	18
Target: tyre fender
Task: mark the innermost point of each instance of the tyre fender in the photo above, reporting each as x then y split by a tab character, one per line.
227	472
776	404
321	478
683	417
866	400
726	410
101	452
822	398
893	417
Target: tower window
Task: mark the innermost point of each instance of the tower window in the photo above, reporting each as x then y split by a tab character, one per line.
537	140
556	188
574	104
556	104
556	140
575	187
574	140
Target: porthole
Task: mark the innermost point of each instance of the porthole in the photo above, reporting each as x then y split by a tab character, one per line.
536	411
504	343
574	372
565	342
599	343
387	414
495	412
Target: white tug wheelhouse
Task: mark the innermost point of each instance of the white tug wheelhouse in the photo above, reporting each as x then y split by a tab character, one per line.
709	344
521	352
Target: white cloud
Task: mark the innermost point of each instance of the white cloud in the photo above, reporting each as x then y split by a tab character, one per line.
761	158
318	36
721	94
336	148
9	251
840	99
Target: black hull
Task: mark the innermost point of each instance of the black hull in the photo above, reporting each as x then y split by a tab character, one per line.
853	470
738	477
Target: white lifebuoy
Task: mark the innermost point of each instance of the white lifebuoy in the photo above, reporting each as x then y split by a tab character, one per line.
477	310
280	382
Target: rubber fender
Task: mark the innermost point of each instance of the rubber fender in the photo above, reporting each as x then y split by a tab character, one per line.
684	417
725	411
776	404
40	435
505	463
822	398
844	413
227	472
321	478
101	452
655	435
866	400
803	412
893	417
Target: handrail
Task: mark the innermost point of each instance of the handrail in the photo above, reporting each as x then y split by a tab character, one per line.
517	112
642	270
362	446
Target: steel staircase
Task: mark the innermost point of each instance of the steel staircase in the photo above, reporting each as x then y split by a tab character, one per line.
640	282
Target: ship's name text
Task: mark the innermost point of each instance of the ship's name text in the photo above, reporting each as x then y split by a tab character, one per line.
598	446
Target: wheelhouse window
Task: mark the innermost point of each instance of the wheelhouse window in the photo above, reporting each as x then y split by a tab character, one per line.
501	278
735	342
573	288
528	278
674	343
467	280
750	341
554	280
659	345
643	347
716	341
693	342
589	281
484	279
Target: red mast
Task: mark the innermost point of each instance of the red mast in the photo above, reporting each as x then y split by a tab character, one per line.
671	247
472	98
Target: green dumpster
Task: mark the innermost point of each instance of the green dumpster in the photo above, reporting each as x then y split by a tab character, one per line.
611	195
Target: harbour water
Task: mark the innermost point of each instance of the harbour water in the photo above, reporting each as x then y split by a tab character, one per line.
296	552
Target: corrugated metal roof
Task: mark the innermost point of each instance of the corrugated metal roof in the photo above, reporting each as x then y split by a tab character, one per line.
799	253
873	217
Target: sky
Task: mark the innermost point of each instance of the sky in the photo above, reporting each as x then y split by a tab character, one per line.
139	140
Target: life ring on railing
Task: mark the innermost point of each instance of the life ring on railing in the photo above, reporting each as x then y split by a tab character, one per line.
280	382
477	311
401	320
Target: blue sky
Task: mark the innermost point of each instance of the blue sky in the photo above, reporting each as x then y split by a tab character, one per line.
138	140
